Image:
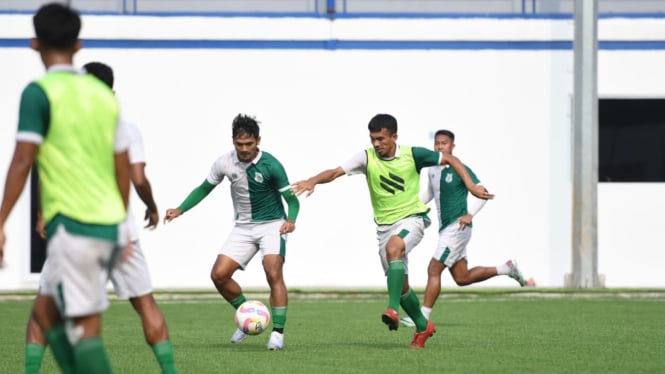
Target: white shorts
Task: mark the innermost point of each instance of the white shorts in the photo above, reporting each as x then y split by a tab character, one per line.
78	268
246	239
452	244
410	229
130	279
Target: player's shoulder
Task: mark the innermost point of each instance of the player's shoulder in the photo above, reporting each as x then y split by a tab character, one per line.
268	158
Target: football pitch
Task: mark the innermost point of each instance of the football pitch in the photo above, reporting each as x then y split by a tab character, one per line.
477	332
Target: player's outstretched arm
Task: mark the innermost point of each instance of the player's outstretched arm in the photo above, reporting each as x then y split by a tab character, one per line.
308	185
475	189
194	197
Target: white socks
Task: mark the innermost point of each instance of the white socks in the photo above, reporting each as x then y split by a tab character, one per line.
426	311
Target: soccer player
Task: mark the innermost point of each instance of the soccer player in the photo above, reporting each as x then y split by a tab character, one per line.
258	184
130	278
393	178
68	124
455	228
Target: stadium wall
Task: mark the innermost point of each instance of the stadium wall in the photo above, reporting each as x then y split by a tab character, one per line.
504	86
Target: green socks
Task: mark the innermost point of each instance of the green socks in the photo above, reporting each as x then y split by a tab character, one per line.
164	353
63	352
238	301
278	317
91	356
396	276
33	357
411	305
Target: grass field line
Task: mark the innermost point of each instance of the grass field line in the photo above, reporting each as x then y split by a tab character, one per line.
494	294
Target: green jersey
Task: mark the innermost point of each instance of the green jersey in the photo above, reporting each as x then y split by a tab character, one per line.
449	192
256	187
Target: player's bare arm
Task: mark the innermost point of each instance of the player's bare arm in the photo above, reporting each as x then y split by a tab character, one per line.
475	189
19	169
308	185
122	174
144	190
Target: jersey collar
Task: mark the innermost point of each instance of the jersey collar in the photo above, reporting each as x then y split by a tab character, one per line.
390	158
65	68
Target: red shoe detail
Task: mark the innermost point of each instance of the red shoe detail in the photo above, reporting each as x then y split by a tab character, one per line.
419	338
390	318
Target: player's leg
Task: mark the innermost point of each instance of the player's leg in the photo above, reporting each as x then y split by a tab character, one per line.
235	254
392	251
273	265
79	268
35	342
131	280
221	275
273	250
155	331
433	287
464	276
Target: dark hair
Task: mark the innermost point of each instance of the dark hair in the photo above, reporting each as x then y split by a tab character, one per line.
447	133
383	121
101	71
244	124
57	26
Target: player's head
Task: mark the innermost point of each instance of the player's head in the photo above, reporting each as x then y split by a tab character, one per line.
101	71
246	138
383	121
57	27
383	134
444	141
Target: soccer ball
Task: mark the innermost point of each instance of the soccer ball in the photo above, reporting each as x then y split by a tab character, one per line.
252	317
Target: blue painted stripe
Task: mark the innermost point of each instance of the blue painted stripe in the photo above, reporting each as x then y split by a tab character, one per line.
347	44
343	15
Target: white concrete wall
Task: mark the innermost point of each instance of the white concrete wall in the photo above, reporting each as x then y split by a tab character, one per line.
510	110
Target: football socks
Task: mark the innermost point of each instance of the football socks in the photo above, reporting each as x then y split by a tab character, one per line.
396	277
164	353
411	305
63	352
90	356
33	357
279	317
238	301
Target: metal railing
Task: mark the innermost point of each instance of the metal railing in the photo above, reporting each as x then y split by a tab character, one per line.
346	8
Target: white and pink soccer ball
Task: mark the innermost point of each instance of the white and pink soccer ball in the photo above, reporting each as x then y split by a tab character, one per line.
252	317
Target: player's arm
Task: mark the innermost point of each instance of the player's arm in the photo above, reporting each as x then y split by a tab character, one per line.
293	207
17	175
325	176
122	171
428	194
144	190
194	197
475	205
475	189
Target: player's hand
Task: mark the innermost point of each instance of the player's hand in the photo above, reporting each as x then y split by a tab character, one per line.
287	227
152	217
465	221
171	214
299	187
481	192
126	252
39	226
2	248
